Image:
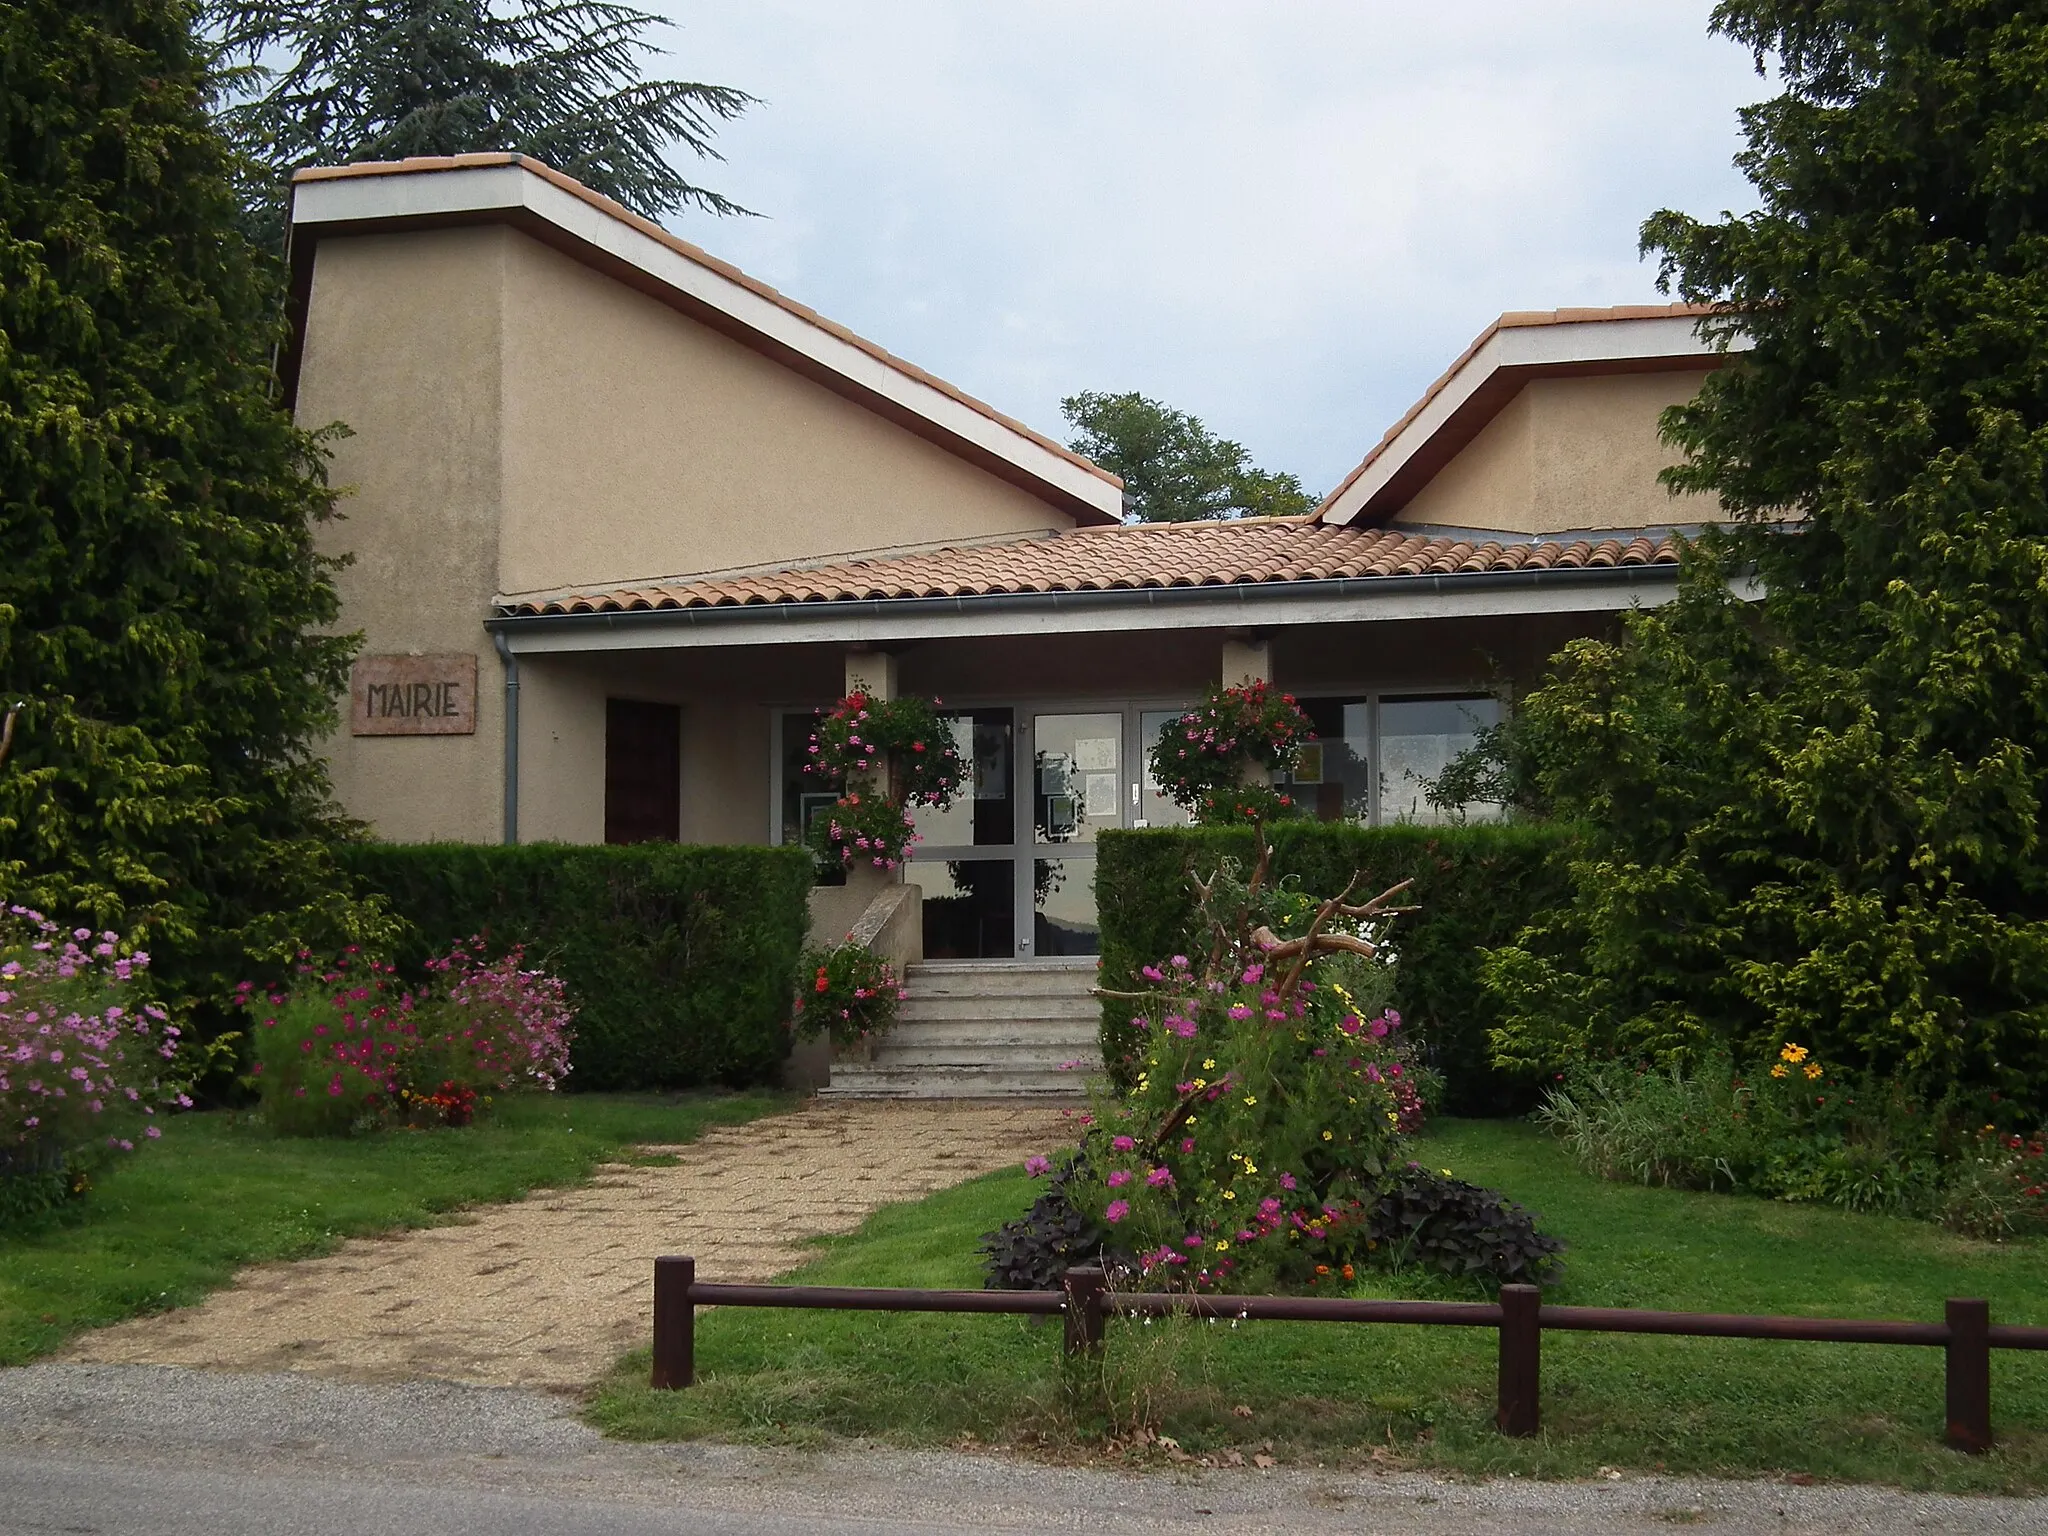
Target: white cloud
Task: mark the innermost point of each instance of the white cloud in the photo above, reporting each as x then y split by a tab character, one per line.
1286	218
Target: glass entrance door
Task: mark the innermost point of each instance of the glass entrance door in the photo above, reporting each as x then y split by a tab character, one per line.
967	860
1009	869
1080	788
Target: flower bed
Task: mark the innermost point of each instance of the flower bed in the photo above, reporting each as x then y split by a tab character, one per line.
351	1049
1263	1141
85	1063
1799	1129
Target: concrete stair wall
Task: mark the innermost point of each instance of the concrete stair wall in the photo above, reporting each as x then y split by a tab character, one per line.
984	1029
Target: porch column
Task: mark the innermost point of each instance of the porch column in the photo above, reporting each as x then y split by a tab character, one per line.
1246	662
872	673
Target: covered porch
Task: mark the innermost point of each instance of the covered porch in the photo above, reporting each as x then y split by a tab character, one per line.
686	712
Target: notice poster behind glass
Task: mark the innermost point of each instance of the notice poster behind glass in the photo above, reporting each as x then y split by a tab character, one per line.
1418	740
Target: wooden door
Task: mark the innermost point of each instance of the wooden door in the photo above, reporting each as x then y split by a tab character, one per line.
643	771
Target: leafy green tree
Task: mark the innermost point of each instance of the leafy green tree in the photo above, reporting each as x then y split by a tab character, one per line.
1174	469
326	82
1822	821
161	601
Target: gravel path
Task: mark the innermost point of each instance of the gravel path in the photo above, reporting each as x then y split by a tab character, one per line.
141	1451
546	1293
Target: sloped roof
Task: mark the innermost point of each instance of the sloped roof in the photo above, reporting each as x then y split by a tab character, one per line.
1519	346
1135	558
435	192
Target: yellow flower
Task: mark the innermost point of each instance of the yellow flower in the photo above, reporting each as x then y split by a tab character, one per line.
1793	1053
1201	1082
1327	1136
1209	1064
1250	1166
1778	1070
1812	1070
1250	1100
1230	1194
1221	1244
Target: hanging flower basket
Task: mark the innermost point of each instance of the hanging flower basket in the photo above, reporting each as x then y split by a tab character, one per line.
887	757
1213	761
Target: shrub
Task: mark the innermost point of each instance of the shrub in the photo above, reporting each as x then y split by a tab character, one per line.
1430	1220
851	994
85	1063
349	1048
682	961
1206	760
1999	1188
1475	888
1034	1252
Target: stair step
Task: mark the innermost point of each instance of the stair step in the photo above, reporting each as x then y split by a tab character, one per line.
1047	1032
994	1055
879	1081
1071	1011
1063	965
1050	987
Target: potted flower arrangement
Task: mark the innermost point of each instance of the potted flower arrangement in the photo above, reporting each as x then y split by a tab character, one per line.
885	757
1216	761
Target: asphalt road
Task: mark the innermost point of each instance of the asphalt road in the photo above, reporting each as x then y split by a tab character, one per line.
114	1450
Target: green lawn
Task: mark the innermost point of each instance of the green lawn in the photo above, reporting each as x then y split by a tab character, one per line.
1337	1393
218	1192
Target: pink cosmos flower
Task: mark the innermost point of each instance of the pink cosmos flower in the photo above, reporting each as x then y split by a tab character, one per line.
1116	1211
1122	1143
1119	1178
1038	1167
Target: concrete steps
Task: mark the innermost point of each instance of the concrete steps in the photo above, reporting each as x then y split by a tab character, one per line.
985	1029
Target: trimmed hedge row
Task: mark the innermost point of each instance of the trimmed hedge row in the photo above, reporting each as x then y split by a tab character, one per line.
1477	886
681	961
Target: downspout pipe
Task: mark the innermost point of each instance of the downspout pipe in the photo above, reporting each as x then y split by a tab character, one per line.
511	661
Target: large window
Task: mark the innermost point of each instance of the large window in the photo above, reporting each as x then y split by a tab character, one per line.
1418	739
1373	759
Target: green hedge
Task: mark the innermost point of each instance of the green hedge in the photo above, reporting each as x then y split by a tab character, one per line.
681	961
1477	887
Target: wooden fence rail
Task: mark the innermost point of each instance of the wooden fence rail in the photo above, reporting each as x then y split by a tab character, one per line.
1966	1335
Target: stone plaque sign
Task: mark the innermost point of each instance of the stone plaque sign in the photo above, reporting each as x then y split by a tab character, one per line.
413	696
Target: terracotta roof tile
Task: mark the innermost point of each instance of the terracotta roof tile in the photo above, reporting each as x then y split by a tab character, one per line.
1128	558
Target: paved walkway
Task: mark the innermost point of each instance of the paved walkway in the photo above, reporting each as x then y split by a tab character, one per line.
548	1292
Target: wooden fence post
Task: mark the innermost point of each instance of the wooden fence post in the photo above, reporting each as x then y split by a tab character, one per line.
1969	1376
675	1324
1521	1360
1084	1287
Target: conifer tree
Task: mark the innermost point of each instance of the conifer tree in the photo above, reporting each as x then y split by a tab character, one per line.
161	601
327	82
1823	821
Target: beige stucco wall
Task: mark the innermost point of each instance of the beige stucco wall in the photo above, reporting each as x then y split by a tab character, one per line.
1566	454
402	344
640	443
561	749
519	422
725	772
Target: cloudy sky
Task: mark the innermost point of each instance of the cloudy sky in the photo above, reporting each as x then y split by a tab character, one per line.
1286	216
